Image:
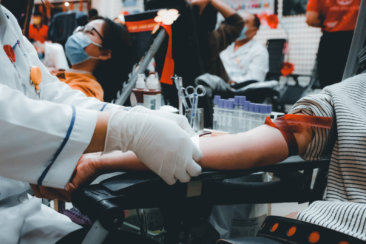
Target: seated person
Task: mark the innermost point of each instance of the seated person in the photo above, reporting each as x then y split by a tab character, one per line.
232	55
246	59
213	41
37	30
100	55
343	208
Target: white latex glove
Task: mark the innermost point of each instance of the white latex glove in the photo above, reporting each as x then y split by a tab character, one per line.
181	120
159	143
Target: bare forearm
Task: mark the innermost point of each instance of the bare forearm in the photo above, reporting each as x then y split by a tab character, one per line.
263	145
260	146
119	161
313	19
97	142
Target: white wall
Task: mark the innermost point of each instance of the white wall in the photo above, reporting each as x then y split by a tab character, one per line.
112	8
303	40
109	8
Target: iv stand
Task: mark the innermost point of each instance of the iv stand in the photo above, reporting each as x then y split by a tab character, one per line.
141	67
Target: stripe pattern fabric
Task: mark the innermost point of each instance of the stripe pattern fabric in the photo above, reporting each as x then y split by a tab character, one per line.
344	208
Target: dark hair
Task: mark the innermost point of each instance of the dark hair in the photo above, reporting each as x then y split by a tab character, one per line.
256	21
93	14
113	72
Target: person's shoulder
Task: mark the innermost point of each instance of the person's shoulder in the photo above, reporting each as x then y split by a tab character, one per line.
356	83
359	78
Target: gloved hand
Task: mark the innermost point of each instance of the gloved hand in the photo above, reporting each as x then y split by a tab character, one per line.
159	143
181	120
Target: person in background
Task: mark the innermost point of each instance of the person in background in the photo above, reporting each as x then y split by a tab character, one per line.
337	19
93	14
213	41
101	58
38	32
245	59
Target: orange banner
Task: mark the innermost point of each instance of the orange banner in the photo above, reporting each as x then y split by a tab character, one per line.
81	5
168	70
149	25
140	26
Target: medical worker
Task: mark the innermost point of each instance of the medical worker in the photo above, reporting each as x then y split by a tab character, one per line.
45	127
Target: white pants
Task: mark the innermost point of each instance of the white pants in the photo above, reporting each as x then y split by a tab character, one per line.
30	222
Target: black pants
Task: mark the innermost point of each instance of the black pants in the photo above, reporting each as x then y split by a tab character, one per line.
332	56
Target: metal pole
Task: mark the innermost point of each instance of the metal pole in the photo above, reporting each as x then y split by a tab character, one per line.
142	67
358	40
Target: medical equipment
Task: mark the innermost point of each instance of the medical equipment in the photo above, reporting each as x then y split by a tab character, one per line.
193	93
152	95
178	81
236	114
137	95
198	120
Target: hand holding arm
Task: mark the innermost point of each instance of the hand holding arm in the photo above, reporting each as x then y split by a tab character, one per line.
159	143
229	151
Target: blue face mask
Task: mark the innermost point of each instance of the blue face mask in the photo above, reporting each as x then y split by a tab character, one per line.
74	47
242	34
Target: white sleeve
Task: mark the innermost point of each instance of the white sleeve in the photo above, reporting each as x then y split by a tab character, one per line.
258	66
41	141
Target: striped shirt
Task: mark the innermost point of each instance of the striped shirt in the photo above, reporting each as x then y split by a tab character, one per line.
344	208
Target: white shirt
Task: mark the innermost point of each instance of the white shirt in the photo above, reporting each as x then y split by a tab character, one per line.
43	134
248	62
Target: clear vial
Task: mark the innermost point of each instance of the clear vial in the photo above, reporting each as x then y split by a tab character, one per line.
216	112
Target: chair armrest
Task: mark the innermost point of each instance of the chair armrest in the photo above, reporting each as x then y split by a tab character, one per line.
107	200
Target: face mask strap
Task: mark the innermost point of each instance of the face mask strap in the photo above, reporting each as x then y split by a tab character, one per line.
242	34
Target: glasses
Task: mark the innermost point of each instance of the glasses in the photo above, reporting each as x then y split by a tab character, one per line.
89	30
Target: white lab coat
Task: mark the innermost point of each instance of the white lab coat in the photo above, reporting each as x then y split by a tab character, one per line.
248	62
41	141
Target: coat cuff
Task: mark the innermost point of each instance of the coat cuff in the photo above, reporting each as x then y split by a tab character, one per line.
77	138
